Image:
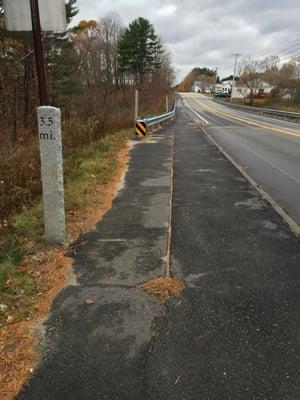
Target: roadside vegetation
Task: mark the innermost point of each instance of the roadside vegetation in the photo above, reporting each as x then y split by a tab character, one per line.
273	103
283	78
204	75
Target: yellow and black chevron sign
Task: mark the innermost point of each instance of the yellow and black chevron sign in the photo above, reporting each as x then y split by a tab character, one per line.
140	128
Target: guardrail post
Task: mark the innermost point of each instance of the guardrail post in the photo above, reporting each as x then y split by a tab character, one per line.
49	124
167	104
136	106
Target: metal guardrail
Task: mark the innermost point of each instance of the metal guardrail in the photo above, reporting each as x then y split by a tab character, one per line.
260	110
157	119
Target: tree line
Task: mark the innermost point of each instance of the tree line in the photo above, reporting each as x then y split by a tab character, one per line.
204	75
93	60
284	77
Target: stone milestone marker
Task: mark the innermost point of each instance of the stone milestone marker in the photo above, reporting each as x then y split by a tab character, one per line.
49	124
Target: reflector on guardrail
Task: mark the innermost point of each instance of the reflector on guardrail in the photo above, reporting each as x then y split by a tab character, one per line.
142	125
140	128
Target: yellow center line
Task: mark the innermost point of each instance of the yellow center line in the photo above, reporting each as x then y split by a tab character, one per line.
284	131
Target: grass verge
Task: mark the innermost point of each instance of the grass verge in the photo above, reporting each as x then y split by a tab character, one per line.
282	105
32	273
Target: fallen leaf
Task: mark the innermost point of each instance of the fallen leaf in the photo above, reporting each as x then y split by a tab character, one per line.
9	282
89	301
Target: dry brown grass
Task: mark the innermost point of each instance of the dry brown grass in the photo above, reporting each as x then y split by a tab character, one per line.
18	346
91	120
164	288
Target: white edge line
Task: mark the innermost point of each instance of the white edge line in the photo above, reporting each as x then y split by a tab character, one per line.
292	224
198	115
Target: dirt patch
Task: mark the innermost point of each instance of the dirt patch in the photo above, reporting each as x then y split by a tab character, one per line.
19	340
164	288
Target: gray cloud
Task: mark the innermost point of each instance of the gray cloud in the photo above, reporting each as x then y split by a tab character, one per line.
207	32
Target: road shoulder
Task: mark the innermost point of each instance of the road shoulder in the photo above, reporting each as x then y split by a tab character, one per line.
234	334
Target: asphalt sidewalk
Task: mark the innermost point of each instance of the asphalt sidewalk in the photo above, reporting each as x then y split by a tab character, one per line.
234	334
99	351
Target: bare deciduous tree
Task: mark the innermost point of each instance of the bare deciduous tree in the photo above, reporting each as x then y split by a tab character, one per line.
251	76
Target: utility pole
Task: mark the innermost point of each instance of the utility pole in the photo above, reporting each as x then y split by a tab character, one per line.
136	106
236	55
38	48
216	69
216	77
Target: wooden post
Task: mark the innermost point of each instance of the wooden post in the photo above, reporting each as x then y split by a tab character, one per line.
38	48
136	106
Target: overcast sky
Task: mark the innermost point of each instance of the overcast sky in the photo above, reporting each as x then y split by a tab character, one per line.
206	32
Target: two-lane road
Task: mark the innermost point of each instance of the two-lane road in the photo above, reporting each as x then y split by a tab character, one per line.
267	149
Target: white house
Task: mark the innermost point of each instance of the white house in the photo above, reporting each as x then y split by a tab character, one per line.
209	88
227	84
197	87
218	88
202	87
242	91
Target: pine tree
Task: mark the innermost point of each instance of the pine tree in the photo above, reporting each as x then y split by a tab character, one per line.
61	63
71	10
139	50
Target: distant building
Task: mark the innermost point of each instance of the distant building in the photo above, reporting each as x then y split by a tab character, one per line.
202	87
241	91
197	87
218	88
209	88
227	84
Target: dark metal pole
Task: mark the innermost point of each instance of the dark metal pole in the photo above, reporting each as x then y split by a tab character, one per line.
38	47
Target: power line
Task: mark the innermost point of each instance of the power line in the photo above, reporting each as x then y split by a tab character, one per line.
290	40
290	49
283	52
291	56
290	44
282	59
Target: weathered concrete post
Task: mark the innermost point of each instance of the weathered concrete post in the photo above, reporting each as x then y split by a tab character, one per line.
49	124
136	106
